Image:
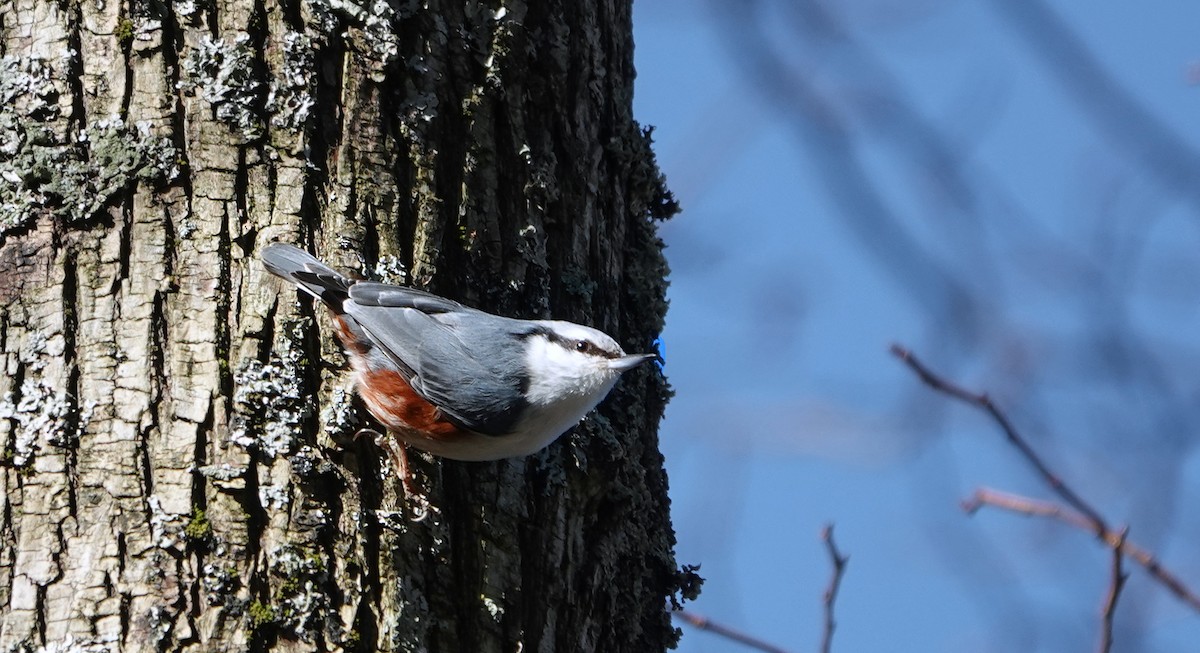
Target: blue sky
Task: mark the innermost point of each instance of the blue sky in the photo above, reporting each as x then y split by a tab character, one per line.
1081	267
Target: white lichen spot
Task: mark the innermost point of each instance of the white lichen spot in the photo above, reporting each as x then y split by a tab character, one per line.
290	99
166	529
219	581
225	476
222	73
185	8
44	414
221	472
338	415
392	520
390	269
145	29
157	152
494	609
71	645
301	605
28	89
187	227
322	19
269	402
376	20
273	497
381	37
159	622
270	408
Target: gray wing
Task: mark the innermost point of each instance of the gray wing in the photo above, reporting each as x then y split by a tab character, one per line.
367	293
455	355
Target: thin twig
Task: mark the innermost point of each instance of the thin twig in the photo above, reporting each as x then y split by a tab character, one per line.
704	623
1114	540
1024	505
1114	591
1081	515
984	402
835	582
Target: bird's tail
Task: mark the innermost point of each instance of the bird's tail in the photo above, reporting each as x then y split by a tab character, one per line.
297	266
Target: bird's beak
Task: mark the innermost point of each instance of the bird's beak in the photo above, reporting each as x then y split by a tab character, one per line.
626	363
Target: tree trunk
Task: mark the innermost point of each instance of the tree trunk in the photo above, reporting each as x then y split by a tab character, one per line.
179	465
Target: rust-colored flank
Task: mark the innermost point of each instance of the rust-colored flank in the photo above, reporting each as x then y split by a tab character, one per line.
394	403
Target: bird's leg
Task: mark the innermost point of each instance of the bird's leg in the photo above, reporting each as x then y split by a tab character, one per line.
399	455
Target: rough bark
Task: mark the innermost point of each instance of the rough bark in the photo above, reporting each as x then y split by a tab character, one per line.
178	467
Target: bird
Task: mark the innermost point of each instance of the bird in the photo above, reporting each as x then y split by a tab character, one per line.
455	381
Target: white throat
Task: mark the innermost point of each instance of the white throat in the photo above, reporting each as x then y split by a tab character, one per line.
564	385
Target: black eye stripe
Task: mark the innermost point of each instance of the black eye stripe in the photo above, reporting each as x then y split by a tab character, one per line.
582	346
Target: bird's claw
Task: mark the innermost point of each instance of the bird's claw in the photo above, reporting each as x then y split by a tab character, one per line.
415	500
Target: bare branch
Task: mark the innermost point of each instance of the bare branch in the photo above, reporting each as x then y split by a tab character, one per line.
1112	539
704	623
982	401
839	568
1080	515
1114	591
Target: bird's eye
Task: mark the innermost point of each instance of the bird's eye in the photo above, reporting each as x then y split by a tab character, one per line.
581	346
